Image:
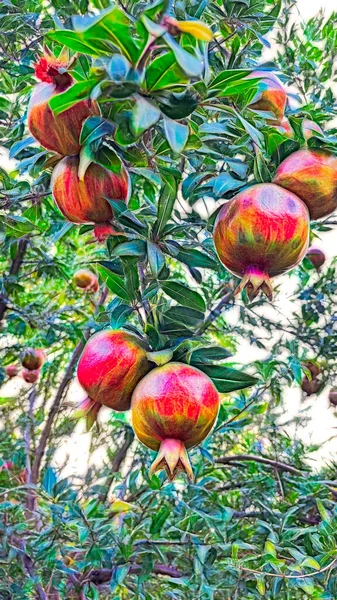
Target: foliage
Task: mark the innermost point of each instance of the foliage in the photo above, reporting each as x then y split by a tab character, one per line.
258	521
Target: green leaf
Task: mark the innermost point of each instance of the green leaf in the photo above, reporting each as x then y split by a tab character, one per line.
164	72
183	295
114	282
161	357
165	204
158	519
155	257
94	128
176	134
195	258
254	133
208	355
77	92
21	145
136	248
49	480
227	379
145	114
191	65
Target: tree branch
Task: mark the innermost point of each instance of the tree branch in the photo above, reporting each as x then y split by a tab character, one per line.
104	575
13	271
260	459
117	461
215	313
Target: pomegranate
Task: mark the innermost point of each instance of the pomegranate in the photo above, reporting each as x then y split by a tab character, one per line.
33	358
283	127
314	369
271	95
311	175
30	376
312	386
12	371
309	128
316	257
333	396
86	280
84	201
261	233
111	365
58	133
174	408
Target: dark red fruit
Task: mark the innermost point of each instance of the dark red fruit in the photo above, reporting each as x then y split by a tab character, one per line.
30	376
12	371
33	358
316	257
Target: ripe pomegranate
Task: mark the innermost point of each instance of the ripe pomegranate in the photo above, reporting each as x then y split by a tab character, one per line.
33	358
86	280
312	386
311	175
58	133
174	408
84	201
261	233
30	376
309	128
316	257
271	95
111	365
333	396
12	371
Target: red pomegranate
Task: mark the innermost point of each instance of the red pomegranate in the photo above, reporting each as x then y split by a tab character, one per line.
174	408
33	358
311	387
30	376
312	176
271	95
316	257
58	133
12	371
261	233
309	128
333	396
84	201
86	280
111	365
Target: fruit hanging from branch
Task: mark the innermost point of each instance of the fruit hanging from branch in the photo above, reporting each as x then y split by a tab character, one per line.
12	371
173	409
86	280
59	133
111	365
316	257
312	176
30	376
271	95
84	200
33	358
261	233
311	386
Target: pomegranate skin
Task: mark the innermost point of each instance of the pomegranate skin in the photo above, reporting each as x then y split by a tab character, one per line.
309	128
271	95
84	201
12	371
333	396
30	376
174	408
111	365
86	280
311	387
261	233
33	358
312	176
316	257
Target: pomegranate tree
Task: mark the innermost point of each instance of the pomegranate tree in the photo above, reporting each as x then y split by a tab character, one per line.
58	133
261	233
316	257
84	200
311	175
271	95
86	280
12	371
174	408
33	358
111	365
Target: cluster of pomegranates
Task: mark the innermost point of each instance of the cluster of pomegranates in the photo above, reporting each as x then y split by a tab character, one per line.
80	197
32	360
264	230
173	407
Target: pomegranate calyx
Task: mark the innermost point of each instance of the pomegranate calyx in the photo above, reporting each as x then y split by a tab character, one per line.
89	409
103	230
172	457
255	281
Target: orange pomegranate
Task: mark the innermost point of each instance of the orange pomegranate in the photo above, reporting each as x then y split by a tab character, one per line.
173	409
58	133
312	176
86	280
271	95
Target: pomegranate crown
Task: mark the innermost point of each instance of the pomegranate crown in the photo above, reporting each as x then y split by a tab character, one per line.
50	69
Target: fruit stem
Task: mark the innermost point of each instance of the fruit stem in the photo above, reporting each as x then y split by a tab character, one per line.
255	281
